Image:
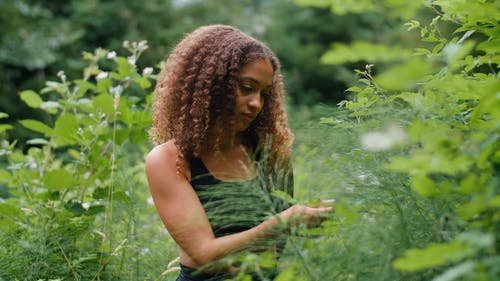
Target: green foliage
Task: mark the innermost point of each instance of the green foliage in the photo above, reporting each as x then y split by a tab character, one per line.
411	158
377	216
74	192
38	38
363	51
446	97
390	8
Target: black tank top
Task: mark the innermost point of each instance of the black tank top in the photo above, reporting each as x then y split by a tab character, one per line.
233	206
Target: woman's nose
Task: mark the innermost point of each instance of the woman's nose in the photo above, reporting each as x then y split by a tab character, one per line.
255	102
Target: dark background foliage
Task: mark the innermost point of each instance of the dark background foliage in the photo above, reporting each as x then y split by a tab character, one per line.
40	38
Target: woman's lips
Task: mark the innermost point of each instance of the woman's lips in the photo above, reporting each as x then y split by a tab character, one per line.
248	117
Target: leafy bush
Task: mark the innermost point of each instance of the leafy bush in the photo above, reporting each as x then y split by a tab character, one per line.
74	194
429	131
411	159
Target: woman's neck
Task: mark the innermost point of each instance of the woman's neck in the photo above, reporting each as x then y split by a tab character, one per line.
226	142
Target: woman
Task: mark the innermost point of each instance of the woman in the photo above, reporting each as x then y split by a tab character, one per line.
218	103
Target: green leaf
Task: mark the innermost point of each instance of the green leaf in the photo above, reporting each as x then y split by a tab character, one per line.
18	157
432	255
104	102
456	271
83	86
363	51
52	86
490	46
121	196
288	274
143	82
5	127
104	84
37	126
10	209
472	208
423	185
423	163
38	141
75	207
5	176
354	89
138	136
50	107
95	209
422	51
124	67
330	121
58	179
121	135
479	240
66	130
3	115
412	25
403	77
85	104
100	193
495	202
10	216
54	195
282	195
125	113
31	98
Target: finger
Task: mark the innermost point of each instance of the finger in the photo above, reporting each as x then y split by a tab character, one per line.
321	209
328	209
327	202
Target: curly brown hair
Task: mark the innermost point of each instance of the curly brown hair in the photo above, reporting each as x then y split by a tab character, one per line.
196	89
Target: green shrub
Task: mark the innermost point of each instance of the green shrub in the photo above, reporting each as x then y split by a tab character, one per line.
428	130
75	193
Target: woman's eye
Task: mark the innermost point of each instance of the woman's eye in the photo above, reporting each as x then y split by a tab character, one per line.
246	88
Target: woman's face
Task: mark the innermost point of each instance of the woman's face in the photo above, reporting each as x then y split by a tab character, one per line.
254	82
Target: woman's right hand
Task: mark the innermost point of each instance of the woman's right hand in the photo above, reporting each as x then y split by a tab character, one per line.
308	215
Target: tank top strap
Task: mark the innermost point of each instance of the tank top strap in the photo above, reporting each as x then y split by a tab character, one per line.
200	175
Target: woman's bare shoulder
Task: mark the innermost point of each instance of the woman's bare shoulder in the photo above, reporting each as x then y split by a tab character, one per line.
165	157
165	149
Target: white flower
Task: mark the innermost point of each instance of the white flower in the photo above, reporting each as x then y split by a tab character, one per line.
145	251
147	71
150	200
61	75
50	105
111	55
383	140
143	45
131	60
101	75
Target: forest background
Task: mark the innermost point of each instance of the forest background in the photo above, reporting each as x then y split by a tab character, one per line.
394	105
